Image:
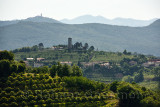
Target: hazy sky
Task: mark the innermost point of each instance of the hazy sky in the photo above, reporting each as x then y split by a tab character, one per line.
59	9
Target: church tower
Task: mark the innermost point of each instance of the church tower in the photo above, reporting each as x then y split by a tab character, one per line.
69	43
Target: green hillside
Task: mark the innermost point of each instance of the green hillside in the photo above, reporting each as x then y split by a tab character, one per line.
104	37
64	85
92	63
62	55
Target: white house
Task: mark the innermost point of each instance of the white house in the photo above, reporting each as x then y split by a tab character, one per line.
30	59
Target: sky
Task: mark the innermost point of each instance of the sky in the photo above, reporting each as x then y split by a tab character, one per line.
60	9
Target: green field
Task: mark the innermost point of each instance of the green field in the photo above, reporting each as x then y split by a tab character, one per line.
52	55
109	56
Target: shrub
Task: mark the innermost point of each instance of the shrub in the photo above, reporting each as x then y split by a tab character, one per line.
49	101
32	103
12	99
114	86
31	97
41	102
8	89
6	55
129	95
127	79
138	77
4	105
3	100
24	103
14	104
150	102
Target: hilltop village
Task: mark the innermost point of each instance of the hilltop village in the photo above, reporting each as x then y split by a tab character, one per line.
60	54
97	65
76	53
39	61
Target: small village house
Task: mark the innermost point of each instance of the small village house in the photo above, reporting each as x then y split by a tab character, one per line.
66	62
40	59
30	59
133	63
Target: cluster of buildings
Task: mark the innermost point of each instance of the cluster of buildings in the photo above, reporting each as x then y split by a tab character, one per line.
62	47
66	62
57	48
36	62
92	64
152	63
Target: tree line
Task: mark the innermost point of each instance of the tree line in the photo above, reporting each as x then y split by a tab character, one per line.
40	46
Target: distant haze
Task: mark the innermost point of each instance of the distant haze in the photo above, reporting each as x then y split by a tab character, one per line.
60	9
85	19
100	19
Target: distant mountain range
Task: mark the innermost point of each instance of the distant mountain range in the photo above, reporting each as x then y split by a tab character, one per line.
103	20
86	19
104	37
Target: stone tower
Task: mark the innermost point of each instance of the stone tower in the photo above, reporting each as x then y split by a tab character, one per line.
69	43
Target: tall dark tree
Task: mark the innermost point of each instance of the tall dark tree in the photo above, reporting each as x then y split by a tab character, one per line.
34	48
91	48
14	68
41	46
125	52
21	67
53	70
77	45
86	46
76	71
59	69
4	68
66	70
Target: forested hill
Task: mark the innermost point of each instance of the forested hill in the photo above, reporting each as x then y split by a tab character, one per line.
31	19
104	37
